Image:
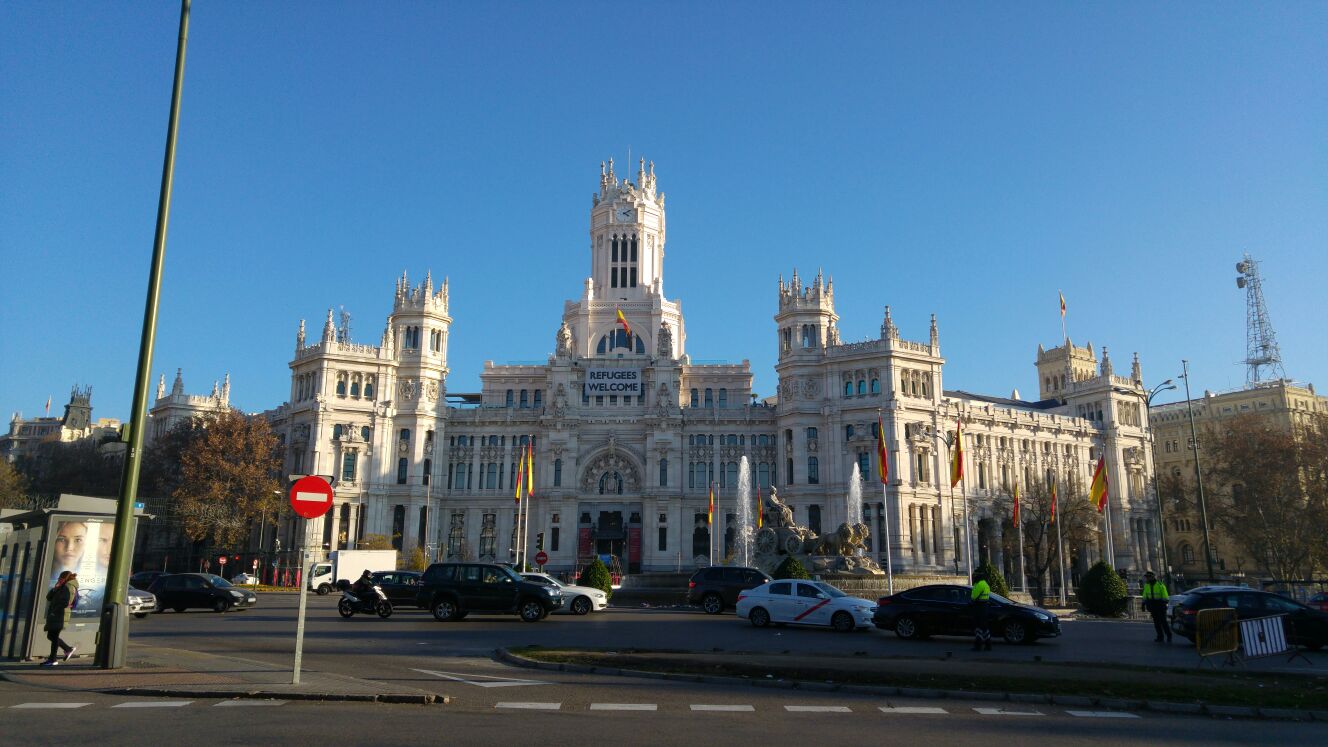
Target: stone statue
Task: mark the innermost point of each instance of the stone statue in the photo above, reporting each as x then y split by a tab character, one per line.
841	551
664	349
564	340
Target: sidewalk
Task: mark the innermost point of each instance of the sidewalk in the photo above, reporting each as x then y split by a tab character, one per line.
153	670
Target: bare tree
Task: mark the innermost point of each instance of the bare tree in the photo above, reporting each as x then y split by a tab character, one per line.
1078	519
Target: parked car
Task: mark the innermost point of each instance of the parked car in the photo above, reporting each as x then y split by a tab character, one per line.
1304	625
1319	601
143	579
1174	599
947	609
141	603
182	591
716	588
453	590
401	587
804	603
577	600
244	579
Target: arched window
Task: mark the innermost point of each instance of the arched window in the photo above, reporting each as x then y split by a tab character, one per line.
341	387
696	398
610	483
864	464
336	432
401	471
539	398
525	399
428	468
459	476
355	388
663	473
732	470
723	397
510	398
364	433
369	388
492	483
862	386
1186	553
848	389
404	435
875	386
557	473
348	467
709	398
813	471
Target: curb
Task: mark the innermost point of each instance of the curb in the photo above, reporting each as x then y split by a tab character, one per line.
423	699
1116	704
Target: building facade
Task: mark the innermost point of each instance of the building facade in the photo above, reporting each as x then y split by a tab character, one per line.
630	432
26	434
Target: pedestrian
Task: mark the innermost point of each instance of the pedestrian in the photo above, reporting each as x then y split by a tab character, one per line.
981	598
1155	601
59	600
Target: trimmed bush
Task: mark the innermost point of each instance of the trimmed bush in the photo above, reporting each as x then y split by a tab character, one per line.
791	568
418	562
995	579
1102	591
596	576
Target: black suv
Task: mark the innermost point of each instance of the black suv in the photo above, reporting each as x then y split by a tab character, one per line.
182	591
401	587
1304	626
717	588
453	590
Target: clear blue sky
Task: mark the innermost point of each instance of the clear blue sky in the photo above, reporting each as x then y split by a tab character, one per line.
958	158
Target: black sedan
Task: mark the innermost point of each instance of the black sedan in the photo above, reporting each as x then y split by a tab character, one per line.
946	609
1304	626
401	587
182	591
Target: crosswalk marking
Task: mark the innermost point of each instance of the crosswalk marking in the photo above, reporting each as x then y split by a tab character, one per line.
50	705
913	710
1103	714
153	704
531	706
624	707
481	680
1003	712
243	703
723	708
817	709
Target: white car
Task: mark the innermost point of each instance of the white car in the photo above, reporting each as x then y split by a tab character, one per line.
141	603
577	600
244	579
805	603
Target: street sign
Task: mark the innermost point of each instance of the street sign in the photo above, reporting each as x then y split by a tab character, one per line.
541	558
311	496
255	564
222	560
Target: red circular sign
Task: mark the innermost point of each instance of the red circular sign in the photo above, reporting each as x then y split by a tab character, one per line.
541	557
311	496
222	560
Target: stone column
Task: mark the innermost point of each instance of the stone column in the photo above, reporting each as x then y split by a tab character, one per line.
937	537
914	532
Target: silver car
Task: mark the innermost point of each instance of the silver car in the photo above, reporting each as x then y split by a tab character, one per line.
141	603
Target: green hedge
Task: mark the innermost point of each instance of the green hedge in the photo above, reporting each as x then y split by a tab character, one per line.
1102	591
995	579
596	576
791	568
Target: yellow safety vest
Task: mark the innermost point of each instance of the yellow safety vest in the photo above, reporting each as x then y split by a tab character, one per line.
1155	590
981	592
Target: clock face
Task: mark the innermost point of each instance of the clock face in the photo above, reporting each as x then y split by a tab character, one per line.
625	215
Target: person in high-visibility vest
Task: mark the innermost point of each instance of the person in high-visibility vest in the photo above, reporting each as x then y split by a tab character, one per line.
981	598
1155	601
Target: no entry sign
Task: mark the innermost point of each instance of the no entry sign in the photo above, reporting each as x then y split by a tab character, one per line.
311	496
541	558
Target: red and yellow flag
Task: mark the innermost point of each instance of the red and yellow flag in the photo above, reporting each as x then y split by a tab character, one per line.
1062	295
710	513
957	454
1098	492
760	508
530	470
520	476
626	327
882	456
1014	518
1053	503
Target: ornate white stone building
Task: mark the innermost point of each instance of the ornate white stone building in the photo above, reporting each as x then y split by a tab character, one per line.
629	431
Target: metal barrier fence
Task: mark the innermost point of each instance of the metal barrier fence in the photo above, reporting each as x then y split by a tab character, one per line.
1216	633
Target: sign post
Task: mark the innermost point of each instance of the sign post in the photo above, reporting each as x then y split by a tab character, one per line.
310	497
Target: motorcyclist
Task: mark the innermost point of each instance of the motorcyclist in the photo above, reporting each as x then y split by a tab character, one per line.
363	590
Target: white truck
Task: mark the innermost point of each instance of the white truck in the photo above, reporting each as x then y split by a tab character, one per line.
348	565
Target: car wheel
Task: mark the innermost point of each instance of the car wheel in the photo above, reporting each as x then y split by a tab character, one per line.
140	615
907	628
220	605
581	606
345	609
445	610
383	608
759	617
843	622
713	604
531	611
178	609
323	589
1016	632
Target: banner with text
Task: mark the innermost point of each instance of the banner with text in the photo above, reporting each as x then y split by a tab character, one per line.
621	381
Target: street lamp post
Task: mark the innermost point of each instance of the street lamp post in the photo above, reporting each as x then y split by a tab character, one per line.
1157	495
1198	472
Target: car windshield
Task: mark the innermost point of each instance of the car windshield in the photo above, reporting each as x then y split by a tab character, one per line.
511	573
543	580
832	591
219	582
1001	599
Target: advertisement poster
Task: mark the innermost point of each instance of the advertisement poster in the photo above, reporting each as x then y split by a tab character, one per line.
82	545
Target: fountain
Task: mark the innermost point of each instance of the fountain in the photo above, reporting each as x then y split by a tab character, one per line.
746	518
842	551
853	508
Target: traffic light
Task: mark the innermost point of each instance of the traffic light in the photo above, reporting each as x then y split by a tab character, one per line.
539	541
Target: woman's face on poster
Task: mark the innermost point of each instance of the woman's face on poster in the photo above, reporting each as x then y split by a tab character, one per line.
69	541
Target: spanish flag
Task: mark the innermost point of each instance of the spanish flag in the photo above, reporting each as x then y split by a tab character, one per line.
1014	518
1098	492
710	514
520	476
1062	295
530	469
882	457
957	454
1054	501
760	508
626	327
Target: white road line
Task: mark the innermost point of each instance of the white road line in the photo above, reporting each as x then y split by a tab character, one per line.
531	706
1103	714
817	709
914	710
723	708
492	680
246	703
50	705
153	704
623	707
1003	712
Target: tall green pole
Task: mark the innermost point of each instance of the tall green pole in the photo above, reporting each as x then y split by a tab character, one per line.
114	637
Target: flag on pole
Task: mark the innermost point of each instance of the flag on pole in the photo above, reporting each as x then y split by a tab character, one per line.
882	457
1098	492
710	513
626	327
760	507
1053	503
48	405
520	476
1062	295
530	470
957	455
1014	518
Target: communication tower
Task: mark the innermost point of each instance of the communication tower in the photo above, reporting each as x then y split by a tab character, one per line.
1263	361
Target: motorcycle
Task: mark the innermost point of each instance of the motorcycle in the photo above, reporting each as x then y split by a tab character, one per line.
350	603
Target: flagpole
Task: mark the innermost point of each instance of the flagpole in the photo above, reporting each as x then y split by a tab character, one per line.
1023	578
1060	544
883	469
530	497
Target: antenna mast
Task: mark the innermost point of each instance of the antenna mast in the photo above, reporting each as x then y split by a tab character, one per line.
343	334
1260	341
